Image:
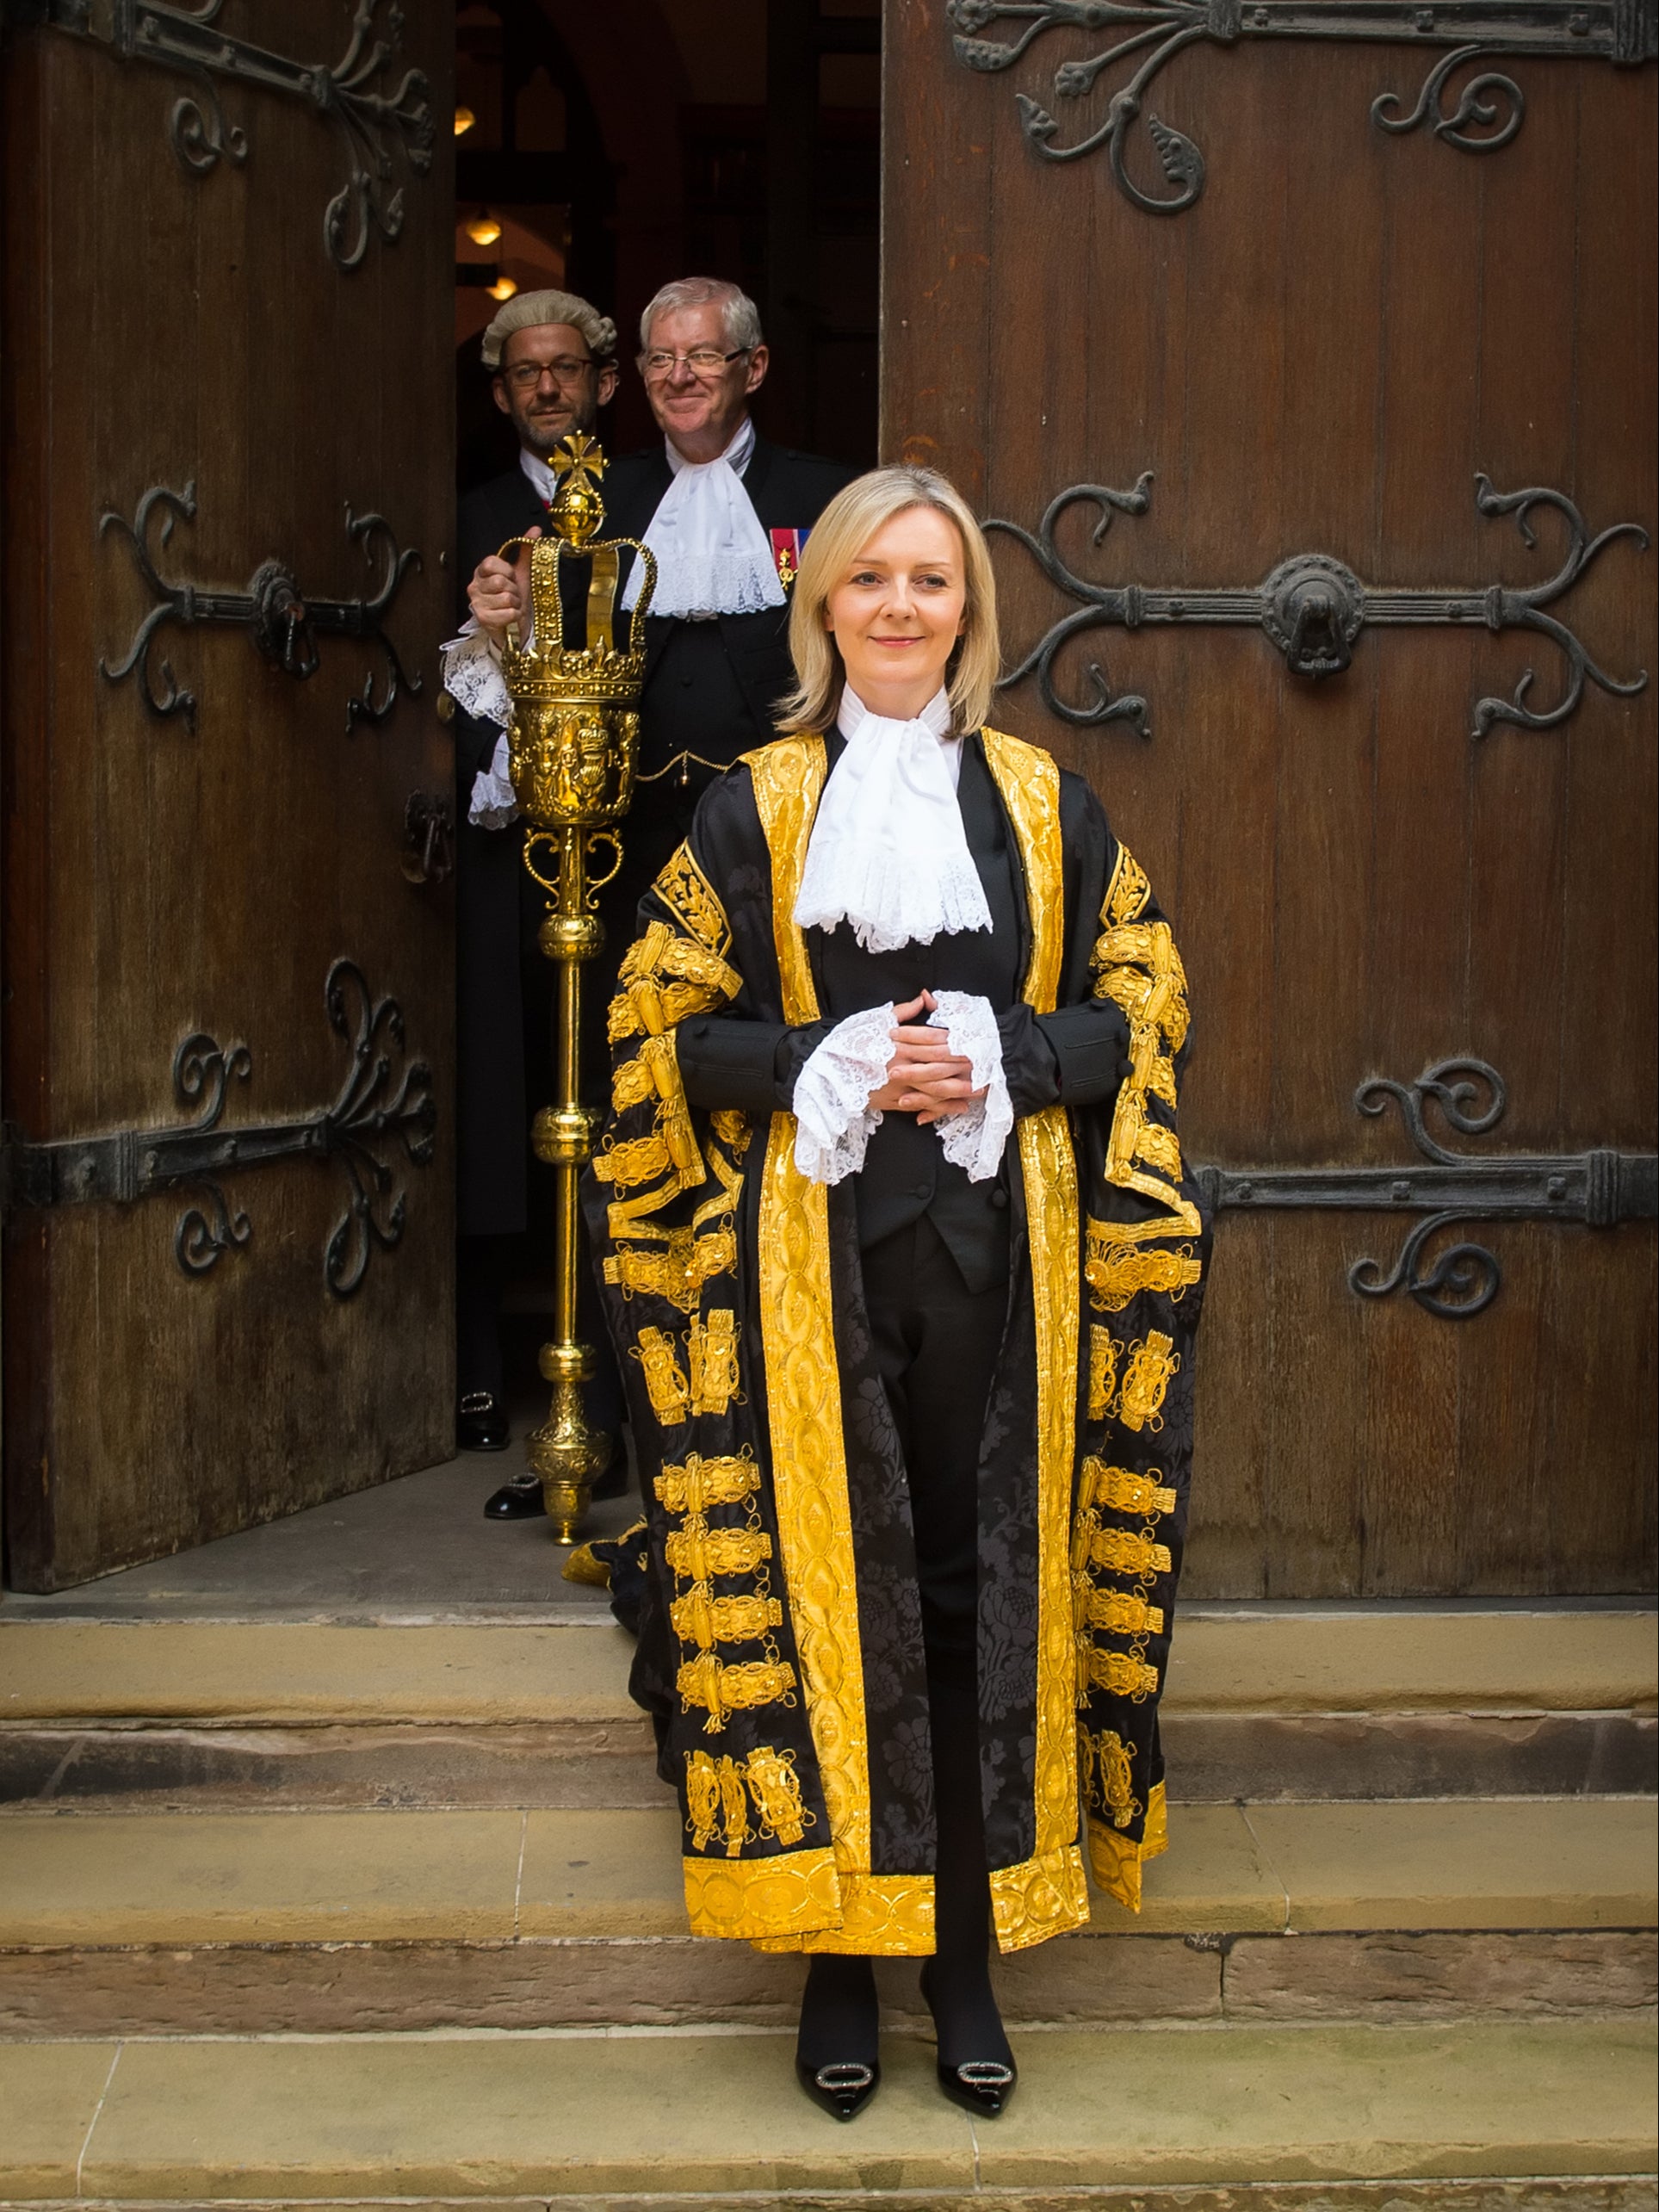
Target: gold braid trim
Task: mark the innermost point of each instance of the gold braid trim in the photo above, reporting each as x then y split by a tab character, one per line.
810	1473
1042	1897
787	777
1029	782
1116	1862
1122	1490
884	1916
1138	967
788	1895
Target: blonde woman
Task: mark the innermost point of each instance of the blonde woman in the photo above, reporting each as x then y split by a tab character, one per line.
903	1265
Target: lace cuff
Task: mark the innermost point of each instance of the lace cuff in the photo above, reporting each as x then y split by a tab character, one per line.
472	675
975	1138
494	803
832	1093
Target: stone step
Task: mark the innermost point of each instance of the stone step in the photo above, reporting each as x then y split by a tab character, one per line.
1511	2113
323	1922
1264	1702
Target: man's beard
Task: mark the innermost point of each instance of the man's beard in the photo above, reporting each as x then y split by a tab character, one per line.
539	433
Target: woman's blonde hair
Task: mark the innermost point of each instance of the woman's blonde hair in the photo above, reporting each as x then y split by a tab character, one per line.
841	533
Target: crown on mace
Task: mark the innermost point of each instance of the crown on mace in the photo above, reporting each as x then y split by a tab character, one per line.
547	668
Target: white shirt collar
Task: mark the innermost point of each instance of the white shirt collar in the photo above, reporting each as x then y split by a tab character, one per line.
542	480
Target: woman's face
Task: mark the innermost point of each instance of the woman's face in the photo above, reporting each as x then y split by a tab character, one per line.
898	609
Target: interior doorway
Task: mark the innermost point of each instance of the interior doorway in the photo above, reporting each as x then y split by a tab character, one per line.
606	151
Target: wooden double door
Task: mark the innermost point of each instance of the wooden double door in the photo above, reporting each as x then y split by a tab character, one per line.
227	1015
1300	360
1307	359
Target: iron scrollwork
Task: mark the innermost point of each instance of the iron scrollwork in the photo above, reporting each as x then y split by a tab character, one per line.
284	623
1314	608
385	1105
188	42
1488	110
1599	1188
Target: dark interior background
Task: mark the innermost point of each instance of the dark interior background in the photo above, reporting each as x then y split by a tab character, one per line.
611	149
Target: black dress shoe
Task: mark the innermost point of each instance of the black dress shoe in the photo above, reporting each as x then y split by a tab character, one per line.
480	1425
842	2091
521	1500
982	2086
979	2086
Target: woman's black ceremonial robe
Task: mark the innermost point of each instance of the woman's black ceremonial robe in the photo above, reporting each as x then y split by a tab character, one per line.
780	1638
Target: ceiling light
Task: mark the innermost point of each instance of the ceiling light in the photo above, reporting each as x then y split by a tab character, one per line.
502	288
483	229
464	120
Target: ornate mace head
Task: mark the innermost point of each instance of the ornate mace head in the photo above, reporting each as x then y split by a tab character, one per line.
575	728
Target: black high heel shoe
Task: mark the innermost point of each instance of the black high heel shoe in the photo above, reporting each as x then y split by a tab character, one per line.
843	2089
982	2086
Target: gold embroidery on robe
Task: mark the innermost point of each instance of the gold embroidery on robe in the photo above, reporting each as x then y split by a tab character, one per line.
1116	1271
702	1618
1121	1612
1103	1371
1122	1674
701	1482
1128	892
1126	1554
665	1385
685	889
1122	1490
724	1690
714	1360
1152	1365
1107	1757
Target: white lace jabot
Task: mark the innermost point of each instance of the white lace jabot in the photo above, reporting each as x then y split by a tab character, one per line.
713	556
887	852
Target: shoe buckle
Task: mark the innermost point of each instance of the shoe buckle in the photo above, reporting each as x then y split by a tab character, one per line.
840	2078
478	1401
985	2073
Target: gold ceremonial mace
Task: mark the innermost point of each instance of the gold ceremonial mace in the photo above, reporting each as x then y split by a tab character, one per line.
572	747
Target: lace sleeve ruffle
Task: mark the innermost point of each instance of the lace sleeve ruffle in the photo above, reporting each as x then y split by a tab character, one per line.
832	1093
975	1138
472	675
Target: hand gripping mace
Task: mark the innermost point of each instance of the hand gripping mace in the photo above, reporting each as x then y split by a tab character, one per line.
572	747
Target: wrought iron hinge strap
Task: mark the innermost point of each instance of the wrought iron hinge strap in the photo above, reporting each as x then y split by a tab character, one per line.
1600	1188
377	1101
1623	32
189	43
283	622
1314	607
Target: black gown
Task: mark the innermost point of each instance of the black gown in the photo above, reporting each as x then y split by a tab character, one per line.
843	1518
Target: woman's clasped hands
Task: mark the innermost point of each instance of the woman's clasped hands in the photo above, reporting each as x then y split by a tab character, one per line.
924	1076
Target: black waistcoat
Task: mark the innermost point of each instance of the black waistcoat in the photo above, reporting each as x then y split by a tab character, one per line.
905	1173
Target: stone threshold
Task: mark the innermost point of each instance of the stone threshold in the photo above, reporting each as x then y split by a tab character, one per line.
553	2119
1264	1659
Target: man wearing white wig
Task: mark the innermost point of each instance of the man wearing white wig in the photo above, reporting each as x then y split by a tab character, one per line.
552	359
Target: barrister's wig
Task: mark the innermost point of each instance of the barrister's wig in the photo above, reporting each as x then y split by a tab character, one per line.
840	535
527	311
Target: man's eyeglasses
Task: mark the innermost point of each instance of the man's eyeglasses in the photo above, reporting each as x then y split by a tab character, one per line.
703	360
526	375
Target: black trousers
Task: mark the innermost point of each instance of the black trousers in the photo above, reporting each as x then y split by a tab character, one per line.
937	1343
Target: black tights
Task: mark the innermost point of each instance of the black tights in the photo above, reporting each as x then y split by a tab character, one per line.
930	1332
